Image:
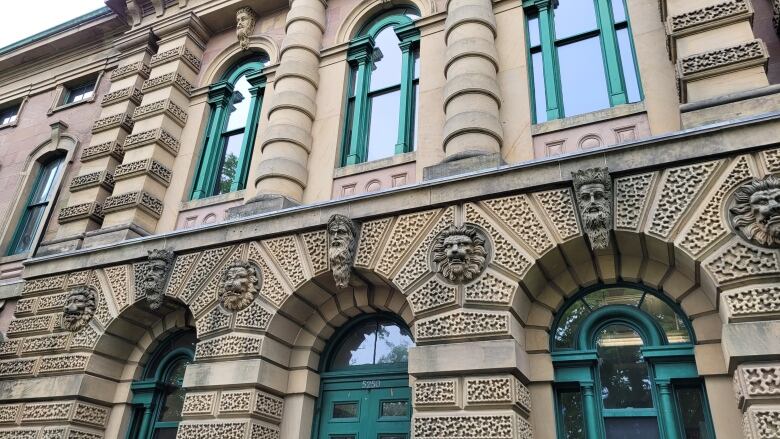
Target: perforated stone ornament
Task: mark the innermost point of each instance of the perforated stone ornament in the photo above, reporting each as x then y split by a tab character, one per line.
755	211
240	285
79	307
459	253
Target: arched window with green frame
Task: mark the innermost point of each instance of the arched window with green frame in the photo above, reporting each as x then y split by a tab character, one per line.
581	57
381	107
624	367
158	396
235	102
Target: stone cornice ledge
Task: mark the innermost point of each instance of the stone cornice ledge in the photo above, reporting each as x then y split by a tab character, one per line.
696	144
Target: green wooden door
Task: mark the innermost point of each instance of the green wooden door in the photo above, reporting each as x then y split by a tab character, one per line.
365	407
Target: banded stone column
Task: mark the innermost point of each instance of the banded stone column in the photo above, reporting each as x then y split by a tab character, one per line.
142	179
285	150
99	159
471	95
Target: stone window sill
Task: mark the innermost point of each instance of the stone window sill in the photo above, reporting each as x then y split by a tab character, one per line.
71	105
14	258
588	118
398	159
211	201
10	124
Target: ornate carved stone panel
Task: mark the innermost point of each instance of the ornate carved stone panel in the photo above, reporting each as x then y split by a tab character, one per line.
519	216
771	158
209	295
506	253
502	390
432	295
738	260
316	244
436	393
761	422
273	290
371	236
558	205
752	303
215	320
288	256
418	265
200	403
491	289
206	264
756	382
459	324
406	231
231	345
118	280
508	426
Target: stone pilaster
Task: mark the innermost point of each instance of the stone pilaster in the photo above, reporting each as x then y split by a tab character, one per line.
89	189
471	95
141	180
283	171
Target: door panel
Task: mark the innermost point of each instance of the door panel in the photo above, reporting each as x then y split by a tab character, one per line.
378	413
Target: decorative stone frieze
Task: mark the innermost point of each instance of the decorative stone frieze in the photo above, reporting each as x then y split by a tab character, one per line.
254	317
176	53
86	338
680	188
137	68
18	368
460	324
371	234
520	217
158	136
171	79
213	321
497	391
432	295
755	212
89	414
166	107
771	157
32	324
10	347
286	252
559	207
509	426
9	413
47	411
240	285
252	402
761	422
490	289
406	230
78	278
208	262
148	202
245	25
26	306
728	57
316	244
123	121
105	149
91	210
227	429
52	302
738	261
593	190
131	94
436	393
117	277
754	382
150	167
752	303
63	363
44	284
228	346
717	13
200	403
418	263
459	253
631	197
153	276
45	343
342	241
504	252
98	178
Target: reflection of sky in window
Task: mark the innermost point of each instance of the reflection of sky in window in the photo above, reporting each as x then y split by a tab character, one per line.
383	130
574	17
239	108
583	80
618	11
385	343
387	60
629	69
392	345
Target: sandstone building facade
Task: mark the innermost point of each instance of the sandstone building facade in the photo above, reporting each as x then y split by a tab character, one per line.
393	219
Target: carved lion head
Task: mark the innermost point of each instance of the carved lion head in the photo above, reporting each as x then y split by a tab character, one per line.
79	308
459	253
240	285
756	211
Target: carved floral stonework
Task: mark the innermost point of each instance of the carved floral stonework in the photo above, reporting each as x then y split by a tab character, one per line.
342	241
240	285
154	275
245	25
755	212
459	253
80	305
593	190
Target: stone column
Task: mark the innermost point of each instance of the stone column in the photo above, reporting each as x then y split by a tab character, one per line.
99	159
142	179
282	173
471	95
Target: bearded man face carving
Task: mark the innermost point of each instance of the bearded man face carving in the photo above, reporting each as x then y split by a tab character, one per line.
342	240
155	275
245	25
593	189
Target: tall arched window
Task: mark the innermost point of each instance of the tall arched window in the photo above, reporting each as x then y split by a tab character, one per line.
158	396
381	113
42	193
624	367
230	135
364	391
581	57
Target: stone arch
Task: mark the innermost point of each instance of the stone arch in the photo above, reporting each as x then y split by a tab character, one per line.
366	11
226	58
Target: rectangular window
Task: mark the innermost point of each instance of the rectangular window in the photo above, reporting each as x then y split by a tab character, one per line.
39	199
9	114
80	92
693	413
571	423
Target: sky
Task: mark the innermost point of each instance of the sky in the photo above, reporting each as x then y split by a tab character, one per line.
20	19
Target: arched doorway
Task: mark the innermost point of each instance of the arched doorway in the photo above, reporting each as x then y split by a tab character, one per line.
364	392
625	367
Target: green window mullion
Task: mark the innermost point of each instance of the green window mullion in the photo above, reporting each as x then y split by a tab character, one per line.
615	83
409	37
360	52
552	83
590	408
668	413
253	118
219	97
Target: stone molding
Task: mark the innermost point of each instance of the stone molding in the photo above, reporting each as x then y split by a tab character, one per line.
709	16
761	422
149	167
105	149
123	121
759	302
98	178
178	53
722	60
91	210
158	135
146	201
166	107
131	94
137	68
171	79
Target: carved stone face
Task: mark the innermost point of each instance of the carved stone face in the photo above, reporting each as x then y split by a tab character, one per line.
78	309
155	275
240	285
756	211
460	253
245	25
342	236
593	189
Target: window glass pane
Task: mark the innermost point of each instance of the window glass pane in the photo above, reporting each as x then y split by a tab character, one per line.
345	410
672	324
634	428
567	326
690	400
229	166
387	60
357	348
574	17
570	413
394	408
31	219
618	11
627	62
583	80
614	296
392	344
416	64
383	126
540	94
43	187
165	433
8	115
624	379
533	32
174	399
80	92
416	97
239	105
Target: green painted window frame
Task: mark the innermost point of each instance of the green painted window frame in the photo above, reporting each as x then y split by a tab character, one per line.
357	111
219	98
670	366
148	394
548	47
31	205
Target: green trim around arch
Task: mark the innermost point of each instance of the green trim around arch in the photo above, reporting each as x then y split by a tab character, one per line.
627	315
